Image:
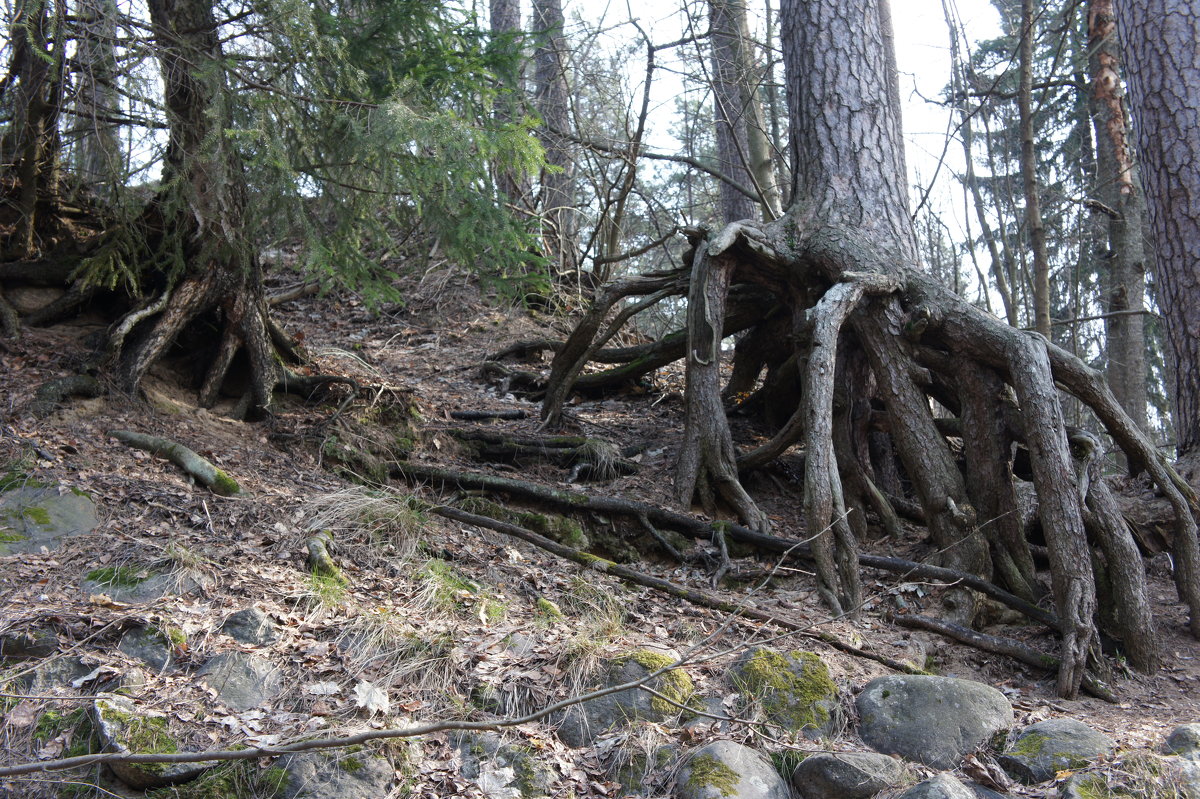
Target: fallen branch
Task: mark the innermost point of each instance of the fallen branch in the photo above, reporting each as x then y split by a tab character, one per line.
200	469
694	596
481	416
696	528
1000	646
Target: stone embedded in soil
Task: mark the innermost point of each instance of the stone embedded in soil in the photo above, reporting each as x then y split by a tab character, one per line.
337	774
121	726
251	626
794	690
847	775
931	720
241	681
36	516
728	770
1184	741
582	723
28	645
148	645
942	786
1048	747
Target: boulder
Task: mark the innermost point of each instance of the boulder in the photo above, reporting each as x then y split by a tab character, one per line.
582	723
1048	747
336	774
241	681
728	770
30	645
1184	741
149	645
847	775
123	727
793	689
33	516
931	720
942	786
251	626
504	771
133	584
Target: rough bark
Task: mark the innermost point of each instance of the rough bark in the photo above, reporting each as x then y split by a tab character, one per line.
1033	204
560	226
1161	41
506	22
743	148
1118	188
97	154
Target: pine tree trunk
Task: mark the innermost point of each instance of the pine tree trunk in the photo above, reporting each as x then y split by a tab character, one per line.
97	155
1033	203
506	21
742	144
1118	187
560	225
1162	48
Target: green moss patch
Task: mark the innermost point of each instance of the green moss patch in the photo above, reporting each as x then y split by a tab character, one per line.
119	576
793	689
675	684
705	771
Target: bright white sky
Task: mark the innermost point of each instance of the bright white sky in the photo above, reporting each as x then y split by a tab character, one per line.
922	54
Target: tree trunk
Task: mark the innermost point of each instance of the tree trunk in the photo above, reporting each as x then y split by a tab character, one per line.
1033	203
197	222
742	144
560	225
1118	188
1162	48
97	155
506	22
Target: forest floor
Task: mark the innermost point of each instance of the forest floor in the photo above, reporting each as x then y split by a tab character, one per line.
442	645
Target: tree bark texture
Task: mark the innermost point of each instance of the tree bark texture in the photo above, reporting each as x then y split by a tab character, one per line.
742	144
1162	48
506	21
1119	188
1033	203
560	226
97	154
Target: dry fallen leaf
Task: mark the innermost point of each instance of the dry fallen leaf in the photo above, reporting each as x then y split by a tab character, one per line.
371	698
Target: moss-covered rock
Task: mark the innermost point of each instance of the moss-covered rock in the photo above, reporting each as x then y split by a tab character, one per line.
1048	747
33	516
728	770
123	727
583	722
793	689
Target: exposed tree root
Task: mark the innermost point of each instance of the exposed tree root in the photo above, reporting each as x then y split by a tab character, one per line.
216	480
588	458
481	416
1000	646
696	528
51	394
696	597
10	322
850	292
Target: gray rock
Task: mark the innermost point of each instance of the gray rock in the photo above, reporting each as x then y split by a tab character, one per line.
704	723
984	792
337	775
794	690
35	516
847	775
121	727
943	786
504	771
137	586
28	645
53	675
582	723
148	645
728	770
251	626
1139	774
241	681
1048	747
931	720
1184	741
